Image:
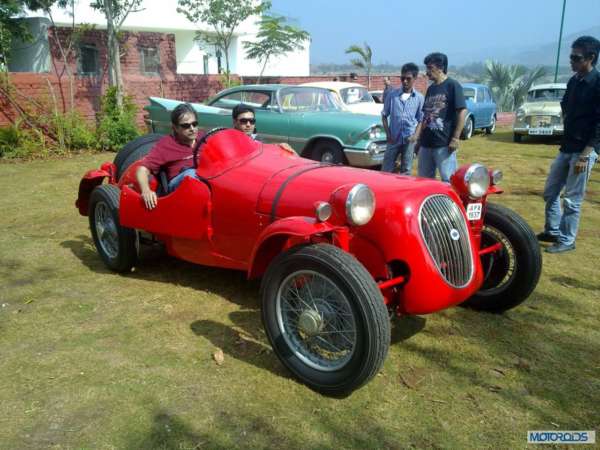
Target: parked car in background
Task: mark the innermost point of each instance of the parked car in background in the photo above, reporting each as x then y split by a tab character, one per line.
540	115
377	96
353	96
481	109
310	119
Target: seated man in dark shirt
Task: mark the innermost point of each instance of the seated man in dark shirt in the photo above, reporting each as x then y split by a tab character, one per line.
244	120
173	153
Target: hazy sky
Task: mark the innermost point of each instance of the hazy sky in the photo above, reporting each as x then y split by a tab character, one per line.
398	30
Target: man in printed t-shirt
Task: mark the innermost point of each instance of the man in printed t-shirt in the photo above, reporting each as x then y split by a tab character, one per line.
444	114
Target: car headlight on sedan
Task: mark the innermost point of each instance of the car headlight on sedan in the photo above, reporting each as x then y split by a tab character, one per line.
477	180
360	205
376	132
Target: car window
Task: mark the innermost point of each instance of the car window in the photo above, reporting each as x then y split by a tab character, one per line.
546	95
356	94
228	101
300	99
255	99
469	93
486	95
479	95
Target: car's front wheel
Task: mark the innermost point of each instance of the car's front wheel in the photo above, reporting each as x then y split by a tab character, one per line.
512	272
325	318
517	137
328	152
116	245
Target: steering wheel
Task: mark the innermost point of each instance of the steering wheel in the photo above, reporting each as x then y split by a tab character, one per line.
203	140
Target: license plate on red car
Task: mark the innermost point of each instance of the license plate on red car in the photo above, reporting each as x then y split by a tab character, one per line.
474	211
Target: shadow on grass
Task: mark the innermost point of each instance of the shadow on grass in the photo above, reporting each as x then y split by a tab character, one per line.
156	265
243	428
506	136
534	333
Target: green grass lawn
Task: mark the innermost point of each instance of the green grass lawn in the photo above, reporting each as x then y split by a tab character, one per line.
92	359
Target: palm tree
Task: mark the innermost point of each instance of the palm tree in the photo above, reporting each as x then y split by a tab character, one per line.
510	83
364	62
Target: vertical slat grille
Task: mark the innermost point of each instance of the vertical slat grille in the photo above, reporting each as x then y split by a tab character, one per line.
445	232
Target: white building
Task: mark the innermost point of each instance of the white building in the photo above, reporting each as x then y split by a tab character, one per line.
162	16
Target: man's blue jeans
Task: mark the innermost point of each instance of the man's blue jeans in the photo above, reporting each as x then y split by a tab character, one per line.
563	224
406	152
176	181
438	158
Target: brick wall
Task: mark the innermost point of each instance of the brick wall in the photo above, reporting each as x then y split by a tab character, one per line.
89	89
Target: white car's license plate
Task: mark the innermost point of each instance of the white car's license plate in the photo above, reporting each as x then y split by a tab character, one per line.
474	211
541	131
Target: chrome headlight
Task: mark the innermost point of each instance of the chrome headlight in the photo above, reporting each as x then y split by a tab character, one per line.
360	205
322	211
497	176
477	180
520	113
375	132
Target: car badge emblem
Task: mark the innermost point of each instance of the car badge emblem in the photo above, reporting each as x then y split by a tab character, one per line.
454	234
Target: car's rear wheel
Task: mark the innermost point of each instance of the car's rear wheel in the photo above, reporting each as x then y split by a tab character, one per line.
517	137
116	245
511	273
135	150
467	131
325	318
492	127
328	152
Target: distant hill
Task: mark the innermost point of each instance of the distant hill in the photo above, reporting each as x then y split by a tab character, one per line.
529	55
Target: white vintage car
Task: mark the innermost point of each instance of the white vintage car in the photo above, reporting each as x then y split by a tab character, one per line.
540	115
354	97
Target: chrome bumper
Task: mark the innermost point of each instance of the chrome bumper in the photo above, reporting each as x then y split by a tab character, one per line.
366	158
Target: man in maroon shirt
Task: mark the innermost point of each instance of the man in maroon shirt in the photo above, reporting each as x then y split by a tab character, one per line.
173	153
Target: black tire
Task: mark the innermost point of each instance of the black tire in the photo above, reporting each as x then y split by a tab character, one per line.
512	274
134	150
328	152
351	293
517	137
467	131
492	128
116	245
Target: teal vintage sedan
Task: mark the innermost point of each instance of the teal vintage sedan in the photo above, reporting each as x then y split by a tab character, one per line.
310	119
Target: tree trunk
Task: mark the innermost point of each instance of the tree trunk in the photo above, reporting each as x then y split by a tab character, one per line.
262	70
114	55
227	72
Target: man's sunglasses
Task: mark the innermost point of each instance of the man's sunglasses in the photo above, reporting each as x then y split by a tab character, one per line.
187	126
576	58
247	121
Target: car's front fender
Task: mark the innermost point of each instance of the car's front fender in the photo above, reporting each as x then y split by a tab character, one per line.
289	232
89	181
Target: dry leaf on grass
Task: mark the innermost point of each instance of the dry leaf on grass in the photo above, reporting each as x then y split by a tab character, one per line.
413	377
218	356
523	364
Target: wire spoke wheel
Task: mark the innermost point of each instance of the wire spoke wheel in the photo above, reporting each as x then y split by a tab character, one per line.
316	320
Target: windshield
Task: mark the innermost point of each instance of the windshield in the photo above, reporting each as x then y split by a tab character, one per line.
304	98
469	93
356	94
546	95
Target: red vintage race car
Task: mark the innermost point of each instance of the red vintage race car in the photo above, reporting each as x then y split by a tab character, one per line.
339	249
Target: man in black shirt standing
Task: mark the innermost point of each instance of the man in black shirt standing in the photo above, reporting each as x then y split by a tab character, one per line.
444	113
578	151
